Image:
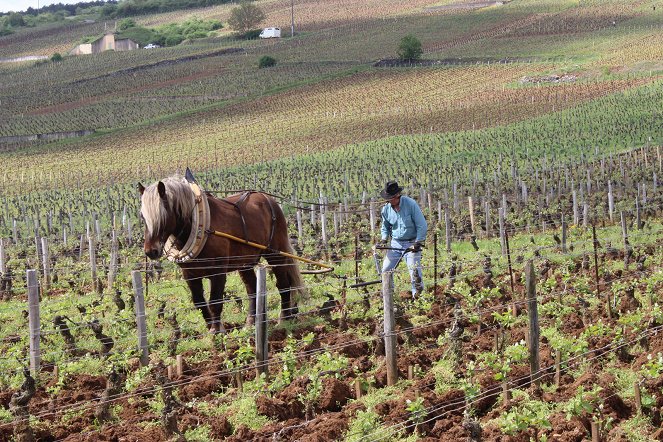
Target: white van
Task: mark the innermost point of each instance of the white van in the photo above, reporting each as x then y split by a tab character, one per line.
270	33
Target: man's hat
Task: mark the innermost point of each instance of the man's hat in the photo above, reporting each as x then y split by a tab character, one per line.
391	189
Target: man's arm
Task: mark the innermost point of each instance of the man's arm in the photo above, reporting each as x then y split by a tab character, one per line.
385	228
419	222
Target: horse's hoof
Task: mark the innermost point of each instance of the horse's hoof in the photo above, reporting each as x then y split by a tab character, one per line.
217	329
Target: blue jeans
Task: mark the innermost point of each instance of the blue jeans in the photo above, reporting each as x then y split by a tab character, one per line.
413	261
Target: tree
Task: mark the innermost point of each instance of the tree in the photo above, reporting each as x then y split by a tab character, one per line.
410	48
266	62
16	20
245	17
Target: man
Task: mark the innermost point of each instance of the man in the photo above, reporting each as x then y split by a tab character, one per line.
403	222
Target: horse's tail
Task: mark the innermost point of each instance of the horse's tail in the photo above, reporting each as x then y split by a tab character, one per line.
297	288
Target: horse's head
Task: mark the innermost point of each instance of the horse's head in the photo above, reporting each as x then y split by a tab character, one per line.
162	205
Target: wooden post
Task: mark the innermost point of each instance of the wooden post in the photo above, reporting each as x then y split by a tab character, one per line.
576	213
625	238
261	322
358	391
470	203
435	263
371	215
533	314
637	397
81	247
564	234
3	257
558	367
179	365
92	247
488	226
596	272
500	212
389	326
638	218
34	321
313	219
585	215
139	303
323	222
611	201
447	227
46	261
300	227
596	436
113	261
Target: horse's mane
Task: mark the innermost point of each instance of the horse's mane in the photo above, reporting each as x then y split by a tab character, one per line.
180	198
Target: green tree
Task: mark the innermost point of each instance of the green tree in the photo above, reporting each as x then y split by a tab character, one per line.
410	48
56	57
245	17
16	20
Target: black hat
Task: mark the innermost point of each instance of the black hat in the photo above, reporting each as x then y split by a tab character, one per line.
391	189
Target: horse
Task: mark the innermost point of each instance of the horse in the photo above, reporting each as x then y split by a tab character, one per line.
172	210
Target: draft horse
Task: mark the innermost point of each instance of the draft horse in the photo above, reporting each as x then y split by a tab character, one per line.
168	208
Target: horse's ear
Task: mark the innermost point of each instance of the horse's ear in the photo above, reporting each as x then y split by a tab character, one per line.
141	188
161	187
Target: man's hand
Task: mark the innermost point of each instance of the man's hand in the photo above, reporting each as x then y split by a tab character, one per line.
417	246
381	244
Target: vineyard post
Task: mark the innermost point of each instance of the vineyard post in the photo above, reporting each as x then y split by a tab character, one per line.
596	272
532	312
81	246
141	323
33	321
470	204
3	257
435	263
564	234
14	231
371	214
313	215
447	229
638	397
625	238
585	215
638	219
596	436
300	227
261	322
576	214
500	212
487	210
389	325
335	216
93	262
64	236
38	247
611	201
45	260
439	211
112	265
323	222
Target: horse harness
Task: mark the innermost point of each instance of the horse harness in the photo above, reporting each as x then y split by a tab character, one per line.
241	203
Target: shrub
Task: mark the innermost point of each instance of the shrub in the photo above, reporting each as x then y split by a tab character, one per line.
251	35
410	48
56	57
266	62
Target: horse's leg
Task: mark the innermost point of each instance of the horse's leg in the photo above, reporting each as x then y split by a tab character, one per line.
198	296
216	296
250	282
284	285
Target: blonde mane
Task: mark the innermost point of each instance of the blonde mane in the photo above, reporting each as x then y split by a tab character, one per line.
180	198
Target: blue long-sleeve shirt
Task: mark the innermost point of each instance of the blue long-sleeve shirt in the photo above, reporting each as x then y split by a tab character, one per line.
406	224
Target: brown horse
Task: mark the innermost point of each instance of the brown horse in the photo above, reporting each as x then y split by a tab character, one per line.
169	209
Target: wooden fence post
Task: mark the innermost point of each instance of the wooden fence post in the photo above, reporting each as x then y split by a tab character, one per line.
92	247
113	261
3	257
300	226
564	234
261	322
500	212
141	322
470	204
33	321
533	314
389	327
371	216
46	261
447	228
